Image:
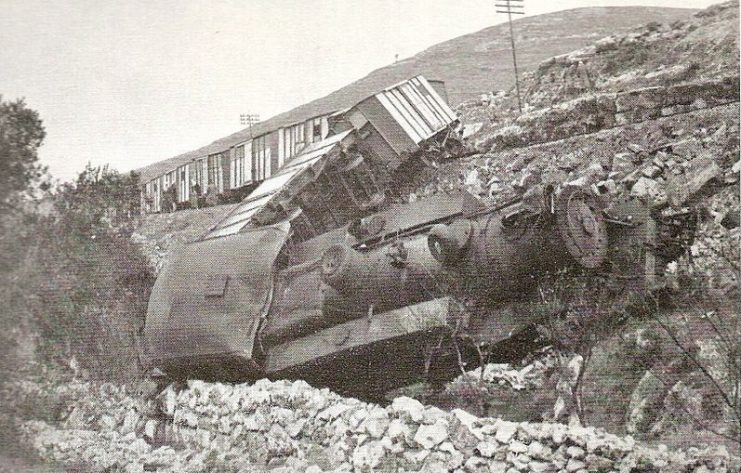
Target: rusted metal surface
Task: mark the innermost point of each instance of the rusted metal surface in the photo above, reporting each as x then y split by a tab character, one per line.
209	300
317	275
270	189
498	253
581	226
398	274
429	317
269	303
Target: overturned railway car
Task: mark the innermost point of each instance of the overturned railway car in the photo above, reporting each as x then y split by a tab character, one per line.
319	275
231	167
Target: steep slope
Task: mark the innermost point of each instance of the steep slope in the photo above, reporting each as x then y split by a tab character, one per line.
481	62
470	65
652	114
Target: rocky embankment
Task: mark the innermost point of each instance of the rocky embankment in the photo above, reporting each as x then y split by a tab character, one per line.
291	426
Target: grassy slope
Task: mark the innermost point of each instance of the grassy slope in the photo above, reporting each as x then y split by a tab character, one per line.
470	65
709	41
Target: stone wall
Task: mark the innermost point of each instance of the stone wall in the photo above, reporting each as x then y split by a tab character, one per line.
290	426
595	112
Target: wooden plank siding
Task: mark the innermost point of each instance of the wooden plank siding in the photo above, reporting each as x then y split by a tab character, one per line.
394	122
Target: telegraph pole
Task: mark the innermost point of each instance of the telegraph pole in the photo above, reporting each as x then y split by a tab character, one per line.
249	119
512	7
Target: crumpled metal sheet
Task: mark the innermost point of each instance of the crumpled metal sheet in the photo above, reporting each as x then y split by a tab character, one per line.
209	299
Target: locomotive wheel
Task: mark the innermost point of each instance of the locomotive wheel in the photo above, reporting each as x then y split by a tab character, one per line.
447	242
581	226
336	263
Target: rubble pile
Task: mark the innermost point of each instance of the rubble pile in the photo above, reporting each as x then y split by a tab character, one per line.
531	375
654	71
654	55
665	161
290	426
606	110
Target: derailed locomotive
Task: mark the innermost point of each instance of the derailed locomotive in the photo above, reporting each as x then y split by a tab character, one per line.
317	276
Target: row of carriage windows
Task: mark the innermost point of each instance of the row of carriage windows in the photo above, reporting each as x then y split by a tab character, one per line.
250	162
295	138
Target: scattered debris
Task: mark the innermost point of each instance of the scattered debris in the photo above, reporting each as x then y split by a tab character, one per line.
209	427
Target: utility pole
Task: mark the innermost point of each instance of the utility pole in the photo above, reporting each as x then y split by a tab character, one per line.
249	119
512	7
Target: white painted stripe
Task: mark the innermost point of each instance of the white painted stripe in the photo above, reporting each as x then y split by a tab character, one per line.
411	115
416	99
440	102
398	116
430	101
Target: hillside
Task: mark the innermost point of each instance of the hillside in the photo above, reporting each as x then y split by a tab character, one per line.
652	114
655	115
470	65
481	62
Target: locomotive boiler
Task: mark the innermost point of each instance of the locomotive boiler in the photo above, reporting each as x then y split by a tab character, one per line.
318	274
377	303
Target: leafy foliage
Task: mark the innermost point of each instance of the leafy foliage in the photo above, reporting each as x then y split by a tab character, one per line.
99	200
21	134
75	286
92	297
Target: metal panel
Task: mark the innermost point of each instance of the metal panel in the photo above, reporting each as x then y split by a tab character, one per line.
282	152
421	107
183	177
229	229
423	317
239	217
244	211
399	116
325	127
400	102
417	108
438	100
189	315
427	104
387	125
436	107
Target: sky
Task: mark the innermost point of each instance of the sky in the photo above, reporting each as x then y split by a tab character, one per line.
131	82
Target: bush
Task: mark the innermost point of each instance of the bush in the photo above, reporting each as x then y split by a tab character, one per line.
95	283
75	286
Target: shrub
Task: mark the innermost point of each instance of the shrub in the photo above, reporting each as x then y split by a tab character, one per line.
75	286
94	283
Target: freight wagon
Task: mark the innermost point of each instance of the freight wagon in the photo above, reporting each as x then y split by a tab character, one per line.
233	166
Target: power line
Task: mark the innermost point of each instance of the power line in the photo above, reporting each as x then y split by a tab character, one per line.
512	7
249	119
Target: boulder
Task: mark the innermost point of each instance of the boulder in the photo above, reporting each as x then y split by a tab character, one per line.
487	449
539	451
462	433
648	190
682	189
575	452
518	447
505	431
407	407
398	430
575	465
376	423
645	403
367	457
429	436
